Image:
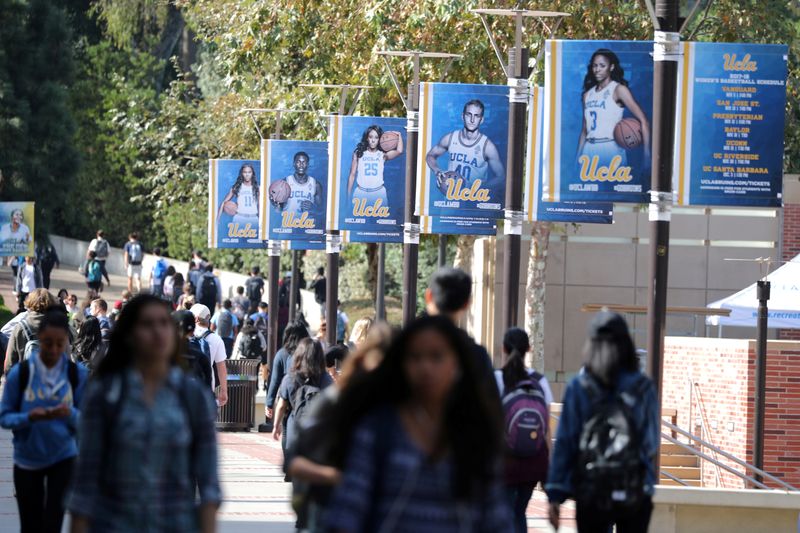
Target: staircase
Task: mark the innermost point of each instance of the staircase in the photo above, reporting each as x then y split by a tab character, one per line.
681	464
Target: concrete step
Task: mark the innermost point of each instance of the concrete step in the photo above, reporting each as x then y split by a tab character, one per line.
683	472
679	460
689	482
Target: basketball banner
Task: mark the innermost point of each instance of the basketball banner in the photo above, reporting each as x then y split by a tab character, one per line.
535	208
394	235
235	204
367	167
16	228
297	176
598	108
462	149
457	225
729	124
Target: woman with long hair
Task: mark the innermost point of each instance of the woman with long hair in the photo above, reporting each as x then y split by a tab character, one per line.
292	335
16	232
609	404
39	405
89	348
147	433
360	331
244	194
418	440
605	97
366	167
169	284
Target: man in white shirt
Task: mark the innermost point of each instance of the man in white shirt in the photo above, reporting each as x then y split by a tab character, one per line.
29	278
202	315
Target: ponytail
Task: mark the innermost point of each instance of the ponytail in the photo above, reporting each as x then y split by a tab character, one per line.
514	370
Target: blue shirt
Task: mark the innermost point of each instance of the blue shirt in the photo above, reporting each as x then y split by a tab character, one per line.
255	316
42	443
234	322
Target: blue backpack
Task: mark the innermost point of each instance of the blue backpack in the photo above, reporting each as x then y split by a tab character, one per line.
525	419
160	269
94	272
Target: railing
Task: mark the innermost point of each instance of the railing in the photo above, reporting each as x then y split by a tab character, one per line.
694	391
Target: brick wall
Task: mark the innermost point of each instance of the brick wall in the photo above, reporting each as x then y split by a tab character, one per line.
789	249
711	382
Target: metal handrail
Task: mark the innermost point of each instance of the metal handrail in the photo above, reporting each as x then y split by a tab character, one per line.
726	455
701	406
673	478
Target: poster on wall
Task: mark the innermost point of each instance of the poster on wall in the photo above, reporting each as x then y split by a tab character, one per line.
598	109
730	124
535	208
234	203
16	228
462	145
457	225
367	167
297	176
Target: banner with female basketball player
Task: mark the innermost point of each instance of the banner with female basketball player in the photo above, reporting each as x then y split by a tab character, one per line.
16	228
367	167
730	124
234	204
296	174
535	208
598	113
463	142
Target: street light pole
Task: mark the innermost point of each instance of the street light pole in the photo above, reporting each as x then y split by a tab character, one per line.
763	290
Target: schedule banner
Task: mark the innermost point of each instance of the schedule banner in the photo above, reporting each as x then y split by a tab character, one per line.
598	111
462	145
730	120
16	228
535	208
235	204
367	170
297	174
457	225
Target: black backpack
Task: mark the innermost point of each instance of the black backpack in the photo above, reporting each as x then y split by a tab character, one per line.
254	289
251	345
301	400
198	360
208	291
610	473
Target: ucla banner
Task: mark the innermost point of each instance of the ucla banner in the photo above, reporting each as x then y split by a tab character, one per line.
367	167
16	228
297	176
303	245
235	204
394	235
463	142
457	225
598	115
535	208
730	120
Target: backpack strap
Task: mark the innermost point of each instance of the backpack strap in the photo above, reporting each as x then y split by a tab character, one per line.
72	376
26	329
24	378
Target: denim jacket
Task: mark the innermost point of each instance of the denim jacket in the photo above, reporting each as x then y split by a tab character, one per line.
577	410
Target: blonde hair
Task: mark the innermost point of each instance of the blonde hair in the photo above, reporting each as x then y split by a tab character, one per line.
361	330
368	355
39	300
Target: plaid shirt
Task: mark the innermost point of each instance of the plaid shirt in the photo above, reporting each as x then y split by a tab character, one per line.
144	481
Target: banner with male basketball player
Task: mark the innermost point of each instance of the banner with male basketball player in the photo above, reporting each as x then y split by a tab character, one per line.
730	124
367	167
16	228
296	174
234	204
535	208
598	108
463	142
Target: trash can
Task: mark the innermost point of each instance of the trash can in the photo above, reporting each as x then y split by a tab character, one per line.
240	411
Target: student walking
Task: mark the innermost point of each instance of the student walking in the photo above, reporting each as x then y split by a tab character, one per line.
209	289
607	437
47	257
225	324
29	278
94	274
158	274
148	445
255	288
133	257
102	248
39	405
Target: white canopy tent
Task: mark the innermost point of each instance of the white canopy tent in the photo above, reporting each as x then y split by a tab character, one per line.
783	305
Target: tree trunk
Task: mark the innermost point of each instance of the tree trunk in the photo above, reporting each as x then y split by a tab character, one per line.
465	250
535	292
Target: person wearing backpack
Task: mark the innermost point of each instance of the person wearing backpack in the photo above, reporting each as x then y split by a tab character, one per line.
29	278
526	397
225	324
209	289
255	288
40	405
196	352
148	448
250	343
102	248
94	274
158	274
47	257
27	330
608	436
202	318
133	257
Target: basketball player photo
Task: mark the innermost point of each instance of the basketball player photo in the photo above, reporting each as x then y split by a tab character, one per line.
466	140
16	230
598	151
234	198
296	172
366	168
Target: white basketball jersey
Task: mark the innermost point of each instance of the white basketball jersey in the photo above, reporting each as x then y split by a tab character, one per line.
300	192
601	113
246	201
370	170
468	158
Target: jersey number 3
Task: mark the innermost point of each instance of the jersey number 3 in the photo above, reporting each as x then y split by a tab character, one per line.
593	114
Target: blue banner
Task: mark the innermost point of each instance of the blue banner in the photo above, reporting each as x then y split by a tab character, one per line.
535	208
457	225
598	111
367	170
235	204
378	236
297	176
304	245
463	143
730	120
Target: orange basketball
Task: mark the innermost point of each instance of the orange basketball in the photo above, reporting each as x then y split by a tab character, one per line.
389	140
279	191
449	175
628	133
230	208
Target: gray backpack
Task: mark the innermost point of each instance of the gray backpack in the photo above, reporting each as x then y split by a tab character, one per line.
225	324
